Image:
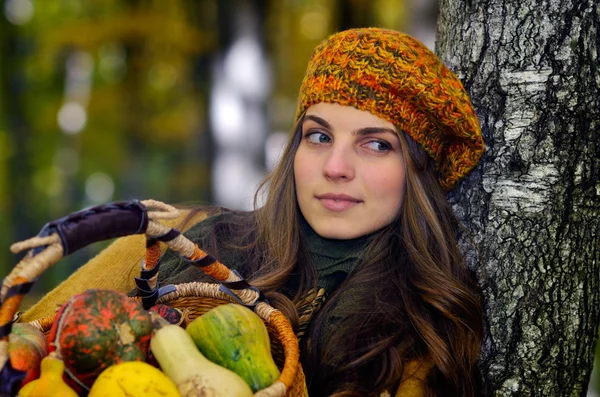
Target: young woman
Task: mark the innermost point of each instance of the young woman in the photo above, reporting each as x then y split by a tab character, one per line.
356	241
356	213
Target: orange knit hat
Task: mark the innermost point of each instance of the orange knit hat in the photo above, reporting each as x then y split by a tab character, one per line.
395	77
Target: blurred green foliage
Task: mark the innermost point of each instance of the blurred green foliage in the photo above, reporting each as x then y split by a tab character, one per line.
144	100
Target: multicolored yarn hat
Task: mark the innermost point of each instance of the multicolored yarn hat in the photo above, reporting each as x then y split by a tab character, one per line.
395	77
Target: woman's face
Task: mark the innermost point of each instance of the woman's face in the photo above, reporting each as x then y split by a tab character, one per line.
349	171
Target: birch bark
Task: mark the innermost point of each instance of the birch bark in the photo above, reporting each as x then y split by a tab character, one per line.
533	204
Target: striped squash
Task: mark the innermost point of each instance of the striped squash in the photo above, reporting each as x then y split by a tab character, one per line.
236	338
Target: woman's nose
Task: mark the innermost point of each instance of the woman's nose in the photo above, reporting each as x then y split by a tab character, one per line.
339	164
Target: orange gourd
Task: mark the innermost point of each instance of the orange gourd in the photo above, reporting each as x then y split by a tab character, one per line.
27	346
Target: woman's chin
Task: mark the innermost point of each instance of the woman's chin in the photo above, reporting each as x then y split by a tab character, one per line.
338	231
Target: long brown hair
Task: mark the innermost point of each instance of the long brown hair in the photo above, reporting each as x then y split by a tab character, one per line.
416	299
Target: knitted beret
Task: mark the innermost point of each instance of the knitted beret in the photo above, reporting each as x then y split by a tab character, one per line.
395	77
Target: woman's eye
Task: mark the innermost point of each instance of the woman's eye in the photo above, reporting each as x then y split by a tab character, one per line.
318	137
379	146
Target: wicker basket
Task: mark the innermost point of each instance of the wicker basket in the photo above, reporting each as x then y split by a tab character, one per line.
66	235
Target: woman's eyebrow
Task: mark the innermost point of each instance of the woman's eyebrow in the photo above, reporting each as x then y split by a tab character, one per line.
374	130
317	120
361	131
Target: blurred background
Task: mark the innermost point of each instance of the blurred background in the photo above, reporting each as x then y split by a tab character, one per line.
183	101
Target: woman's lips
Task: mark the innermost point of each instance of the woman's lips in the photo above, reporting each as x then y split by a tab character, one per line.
338	202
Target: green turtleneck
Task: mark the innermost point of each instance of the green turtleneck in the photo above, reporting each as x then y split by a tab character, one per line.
333	259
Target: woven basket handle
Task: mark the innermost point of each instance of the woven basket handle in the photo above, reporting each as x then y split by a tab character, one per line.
231	283
77	230
88	226
60	238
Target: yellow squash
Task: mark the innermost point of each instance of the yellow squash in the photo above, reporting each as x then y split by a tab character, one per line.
133	379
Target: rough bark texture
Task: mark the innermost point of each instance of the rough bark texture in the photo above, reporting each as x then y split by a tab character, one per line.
533	205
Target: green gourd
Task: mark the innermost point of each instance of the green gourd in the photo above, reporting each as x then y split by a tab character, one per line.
192	373
235	337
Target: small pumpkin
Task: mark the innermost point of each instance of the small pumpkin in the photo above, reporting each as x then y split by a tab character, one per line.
171	314
27	347
96	329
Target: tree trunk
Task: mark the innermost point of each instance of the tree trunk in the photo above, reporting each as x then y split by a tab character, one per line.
532	205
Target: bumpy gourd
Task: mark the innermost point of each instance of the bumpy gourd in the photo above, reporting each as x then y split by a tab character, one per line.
191	372
99	328
235	337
